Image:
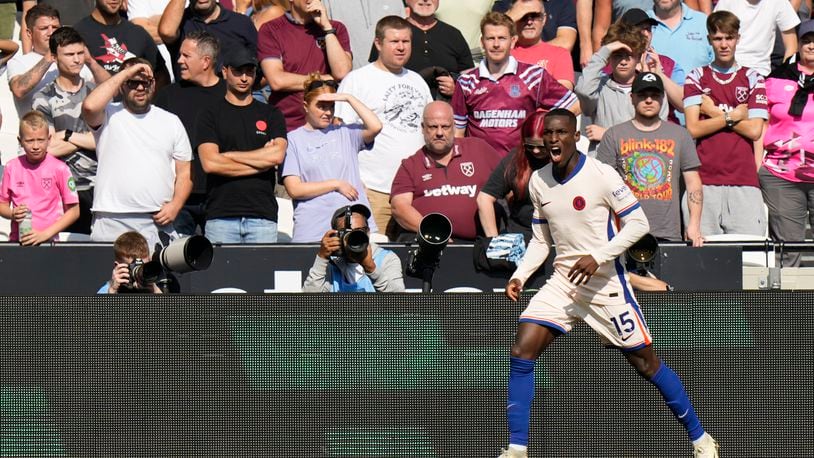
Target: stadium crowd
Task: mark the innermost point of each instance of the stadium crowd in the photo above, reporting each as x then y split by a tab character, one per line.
212	117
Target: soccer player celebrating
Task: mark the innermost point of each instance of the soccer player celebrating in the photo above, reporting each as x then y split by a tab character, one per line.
576	200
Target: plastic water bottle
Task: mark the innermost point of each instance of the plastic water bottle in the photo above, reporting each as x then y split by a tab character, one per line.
25	225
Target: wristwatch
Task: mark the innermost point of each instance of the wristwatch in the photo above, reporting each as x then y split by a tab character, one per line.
728	119
330	32
68	133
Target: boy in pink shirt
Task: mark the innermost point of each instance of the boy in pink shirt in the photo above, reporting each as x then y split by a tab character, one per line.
39	183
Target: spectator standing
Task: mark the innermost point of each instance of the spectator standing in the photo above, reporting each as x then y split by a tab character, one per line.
60	101
725	107
112	39
337	270
606	12
38	186
492	100
297	44
444	176
529	19
196	88
143	177
29	73
321	170
397	96
434	44
71	11
560	20
787	178
241	142
234	31
760	19
680	33
606	98
649	153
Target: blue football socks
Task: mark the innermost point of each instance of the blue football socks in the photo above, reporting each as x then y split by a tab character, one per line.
674	394
521	393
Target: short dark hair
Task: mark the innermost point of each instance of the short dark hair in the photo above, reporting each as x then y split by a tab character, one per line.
563	113
40	10
136	60
207	44
391	22
64	36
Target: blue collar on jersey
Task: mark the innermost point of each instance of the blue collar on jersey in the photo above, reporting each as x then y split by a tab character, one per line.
580	163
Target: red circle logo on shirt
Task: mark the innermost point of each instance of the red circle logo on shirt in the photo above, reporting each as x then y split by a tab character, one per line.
261	125
579	203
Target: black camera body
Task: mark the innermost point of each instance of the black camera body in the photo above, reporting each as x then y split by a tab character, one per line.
353	242
144	273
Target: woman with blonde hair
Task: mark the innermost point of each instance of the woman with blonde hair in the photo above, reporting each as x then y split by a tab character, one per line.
321	169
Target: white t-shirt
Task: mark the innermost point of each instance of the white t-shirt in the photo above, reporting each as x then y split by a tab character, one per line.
398	101
758	24
22	63
137	154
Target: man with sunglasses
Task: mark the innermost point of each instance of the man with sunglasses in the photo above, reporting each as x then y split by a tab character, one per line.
240	142
143	175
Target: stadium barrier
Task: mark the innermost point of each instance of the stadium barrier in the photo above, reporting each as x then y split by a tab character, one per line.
404	375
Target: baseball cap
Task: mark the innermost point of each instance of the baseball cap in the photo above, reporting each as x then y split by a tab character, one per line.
647	80
636	16
805	27
239	57
355	208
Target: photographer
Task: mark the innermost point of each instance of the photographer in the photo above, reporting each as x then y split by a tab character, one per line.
127	249
349	262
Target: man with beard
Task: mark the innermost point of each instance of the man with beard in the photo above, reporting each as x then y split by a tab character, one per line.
444	176
644	150
233	31
196	87
112	40
143	176
241	142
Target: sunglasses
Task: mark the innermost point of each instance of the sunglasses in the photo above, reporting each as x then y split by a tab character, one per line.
134	84
532	17
531	147
319	83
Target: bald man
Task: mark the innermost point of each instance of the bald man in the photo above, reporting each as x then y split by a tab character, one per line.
444	176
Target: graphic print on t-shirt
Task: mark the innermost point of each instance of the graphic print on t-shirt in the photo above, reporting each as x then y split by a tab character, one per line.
649	167
116	54
403	105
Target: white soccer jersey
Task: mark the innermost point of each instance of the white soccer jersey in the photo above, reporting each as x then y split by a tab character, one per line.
580	215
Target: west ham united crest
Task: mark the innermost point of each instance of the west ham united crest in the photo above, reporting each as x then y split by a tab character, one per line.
47	183
468	168
742	94
514	90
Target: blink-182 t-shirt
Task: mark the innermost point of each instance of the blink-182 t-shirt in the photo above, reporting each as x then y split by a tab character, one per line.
727	158
651	163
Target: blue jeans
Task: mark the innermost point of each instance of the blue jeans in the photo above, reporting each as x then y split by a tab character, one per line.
241	230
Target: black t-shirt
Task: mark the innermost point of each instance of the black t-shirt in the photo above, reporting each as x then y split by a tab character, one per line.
187	101
235	128
520	210
442	46
70	11
111	45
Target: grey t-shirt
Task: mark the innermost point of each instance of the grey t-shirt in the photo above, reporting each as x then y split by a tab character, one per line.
650	163
63	110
